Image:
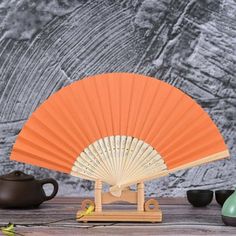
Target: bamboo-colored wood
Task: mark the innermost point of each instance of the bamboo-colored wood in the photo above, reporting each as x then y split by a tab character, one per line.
149	203
124	216
153	215
127	196
216	156
116	188
98	196
140	200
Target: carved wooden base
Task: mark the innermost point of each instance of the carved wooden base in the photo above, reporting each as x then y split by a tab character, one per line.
127	216
148	211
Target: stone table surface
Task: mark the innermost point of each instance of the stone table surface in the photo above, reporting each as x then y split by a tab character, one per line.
179	218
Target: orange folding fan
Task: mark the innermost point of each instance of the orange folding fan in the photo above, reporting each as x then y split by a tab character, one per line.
119	128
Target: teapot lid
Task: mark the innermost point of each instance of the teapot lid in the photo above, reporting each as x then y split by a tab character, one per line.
17	176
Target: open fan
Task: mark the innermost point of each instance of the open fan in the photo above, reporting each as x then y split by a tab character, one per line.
121	129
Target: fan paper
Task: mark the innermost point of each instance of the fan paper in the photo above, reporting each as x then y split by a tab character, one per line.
120	128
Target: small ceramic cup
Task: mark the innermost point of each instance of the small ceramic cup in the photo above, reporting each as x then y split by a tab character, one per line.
200	197
222	195
228	211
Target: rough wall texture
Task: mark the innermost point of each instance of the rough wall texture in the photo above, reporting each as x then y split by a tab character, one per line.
191	44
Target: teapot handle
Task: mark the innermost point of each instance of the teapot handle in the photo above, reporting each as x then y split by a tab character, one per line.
55	188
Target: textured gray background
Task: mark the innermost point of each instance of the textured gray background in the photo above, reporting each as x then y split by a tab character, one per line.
191	44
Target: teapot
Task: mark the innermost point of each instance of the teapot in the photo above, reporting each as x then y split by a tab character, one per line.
19	190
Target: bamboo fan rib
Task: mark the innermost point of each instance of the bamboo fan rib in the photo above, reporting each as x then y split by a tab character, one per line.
121	128
116	159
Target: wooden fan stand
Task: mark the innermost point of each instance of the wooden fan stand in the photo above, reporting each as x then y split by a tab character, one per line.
146	211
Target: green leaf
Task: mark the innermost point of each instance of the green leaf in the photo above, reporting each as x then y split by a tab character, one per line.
8	230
